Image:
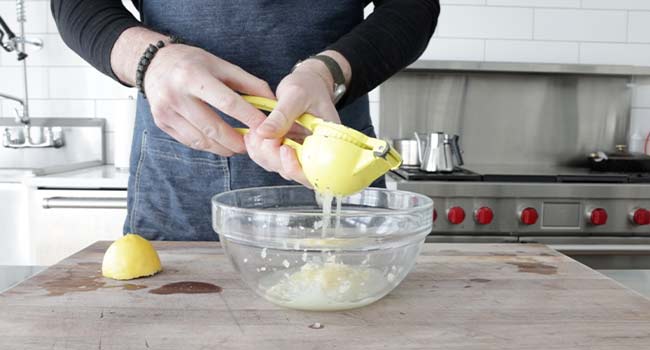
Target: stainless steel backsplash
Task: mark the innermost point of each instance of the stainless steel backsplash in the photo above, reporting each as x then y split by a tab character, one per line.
510	118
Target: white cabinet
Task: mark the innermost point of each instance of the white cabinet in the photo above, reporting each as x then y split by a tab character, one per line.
14	241
62	222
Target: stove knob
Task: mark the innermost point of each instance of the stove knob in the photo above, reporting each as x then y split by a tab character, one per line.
529	216
640	216
483	216
435	215
598	217
456	215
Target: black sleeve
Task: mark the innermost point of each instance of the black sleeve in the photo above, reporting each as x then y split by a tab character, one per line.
391	38
91	28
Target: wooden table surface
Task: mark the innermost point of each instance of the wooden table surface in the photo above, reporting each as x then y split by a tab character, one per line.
460	296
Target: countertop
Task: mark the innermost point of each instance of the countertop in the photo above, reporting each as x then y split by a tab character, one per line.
99	177
460	296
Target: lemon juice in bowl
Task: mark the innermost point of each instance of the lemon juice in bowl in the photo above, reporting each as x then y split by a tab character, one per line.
276	240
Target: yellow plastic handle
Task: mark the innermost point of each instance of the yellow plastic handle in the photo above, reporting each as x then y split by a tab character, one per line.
266	104
286	141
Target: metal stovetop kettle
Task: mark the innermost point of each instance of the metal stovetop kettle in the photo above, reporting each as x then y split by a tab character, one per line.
438	152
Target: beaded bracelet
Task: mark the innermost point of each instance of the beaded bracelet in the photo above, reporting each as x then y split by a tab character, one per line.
146	58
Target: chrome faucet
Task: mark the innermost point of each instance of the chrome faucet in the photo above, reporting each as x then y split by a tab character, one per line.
25	136
21	115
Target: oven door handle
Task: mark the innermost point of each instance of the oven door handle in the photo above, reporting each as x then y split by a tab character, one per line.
84	203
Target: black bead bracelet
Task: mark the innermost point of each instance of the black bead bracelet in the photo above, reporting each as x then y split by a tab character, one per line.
145	60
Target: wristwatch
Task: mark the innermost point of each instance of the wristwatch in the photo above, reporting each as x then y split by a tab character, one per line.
336	71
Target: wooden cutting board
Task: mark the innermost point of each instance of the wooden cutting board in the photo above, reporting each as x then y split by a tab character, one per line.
460	296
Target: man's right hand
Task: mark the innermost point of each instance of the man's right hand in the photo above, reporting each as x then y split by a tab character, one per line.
183	81
181	84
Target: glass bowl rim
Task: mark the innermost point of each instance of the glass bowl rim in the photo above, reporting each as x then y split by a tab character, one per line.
427	203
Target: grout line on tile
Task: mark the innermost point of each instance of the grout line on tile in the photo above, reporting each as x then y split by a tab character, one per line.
484	49
627	26
533	24
579	52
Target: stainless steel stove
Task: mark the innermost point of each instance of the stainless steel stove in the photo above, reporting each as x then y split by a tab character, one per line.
507	203
520	128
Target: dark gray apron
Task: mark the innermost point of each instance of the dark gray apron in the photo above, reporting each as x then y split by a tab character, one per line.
170	185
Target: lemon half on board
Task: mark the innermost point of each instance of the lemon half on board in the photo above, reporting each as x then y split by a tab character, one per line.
130	257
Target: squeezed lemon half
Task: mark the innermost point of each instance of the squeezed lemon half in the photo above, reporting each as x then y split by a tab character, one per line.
130	257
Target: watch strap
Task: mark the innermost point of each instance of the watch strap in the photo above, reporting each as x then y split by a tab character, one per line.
333	67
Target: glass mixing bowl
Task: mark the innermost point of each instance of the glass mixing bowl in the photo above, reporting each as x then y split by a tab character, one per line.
293	255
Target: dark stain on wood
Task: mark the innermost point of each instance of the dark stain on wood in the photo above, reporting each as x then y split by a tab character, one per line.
128	286
534	267
86	278
131	286
187	287
480	280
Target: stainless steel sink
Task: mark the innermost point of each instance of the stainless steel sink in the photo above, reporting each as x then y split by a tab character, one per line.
84	147
628	264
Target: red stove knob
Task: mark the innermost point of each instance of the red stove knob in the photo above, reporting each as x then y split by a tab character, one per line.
598	217
529	216
456	215
640	216
483	215
435	215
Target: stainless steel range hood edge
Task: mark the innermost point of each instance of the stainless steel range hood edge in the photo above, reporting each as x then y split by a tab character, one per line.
542	68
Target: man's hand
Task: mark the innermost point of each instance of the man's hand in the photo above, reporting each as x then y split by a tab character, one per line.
309	89
181	84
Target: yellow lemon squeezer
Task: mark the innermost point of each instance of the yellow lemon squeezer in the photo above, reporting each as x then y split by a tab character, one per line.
336	159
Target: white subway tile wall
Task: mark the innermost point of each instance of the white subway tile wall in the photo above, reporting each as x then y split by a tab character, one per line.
108	108
486	22
617	4
529	51
61	84
550	31
455	49
544	31
580	25
639	27
536	3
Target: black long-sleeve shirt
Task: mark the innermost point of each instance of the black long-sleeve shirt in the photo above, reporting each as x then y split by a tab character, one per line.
392	37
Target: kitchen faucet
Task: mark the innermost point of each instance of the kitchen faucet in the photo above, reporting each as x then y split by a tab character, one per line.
21	115
27	136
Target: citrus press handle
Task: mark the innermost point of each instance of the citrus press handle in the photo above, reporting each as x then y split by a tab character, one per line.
286	141
266	104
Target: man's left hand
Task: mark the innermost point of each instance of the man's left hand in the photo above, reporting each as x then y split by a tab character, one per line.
308	89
